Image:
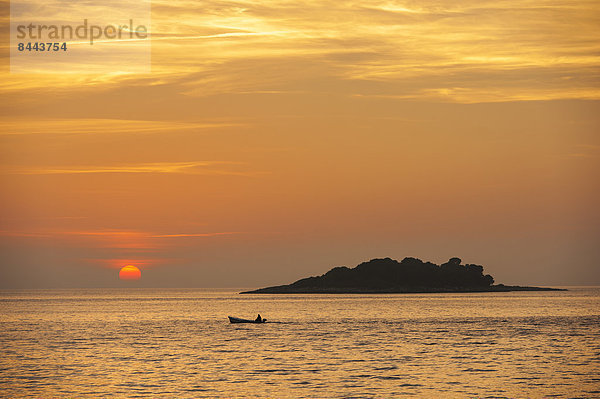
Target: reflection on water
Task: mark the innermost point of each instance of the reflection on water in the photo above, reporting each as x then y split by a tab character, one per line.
179	343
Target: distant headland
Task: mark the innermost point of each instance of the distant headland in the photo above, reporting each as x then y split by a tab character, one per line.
411	275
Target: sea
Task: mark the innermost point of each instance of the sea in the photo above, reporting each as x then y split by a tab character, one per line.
175	343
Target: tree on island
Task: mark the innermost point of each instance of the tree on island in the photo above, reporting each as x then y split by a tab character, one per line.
388	273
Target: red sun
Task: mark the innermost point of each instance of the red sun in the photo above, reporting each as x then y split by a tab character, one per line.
130	272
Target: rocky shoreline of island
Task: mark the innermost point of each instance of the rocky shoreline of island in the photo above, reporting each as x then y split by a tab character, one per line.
388	276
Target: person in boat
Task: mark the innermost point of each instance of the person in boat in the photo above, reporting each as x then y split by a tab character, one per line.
258	319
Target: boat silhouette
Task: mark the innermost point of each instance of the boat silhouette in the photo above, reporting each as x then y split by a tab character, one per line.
239	320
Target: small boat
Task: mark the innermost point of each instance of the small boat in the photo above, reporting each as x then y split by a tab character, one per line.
238	320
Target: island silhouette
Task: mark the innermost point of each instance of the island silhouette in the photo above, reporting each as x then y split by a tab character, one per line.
387	275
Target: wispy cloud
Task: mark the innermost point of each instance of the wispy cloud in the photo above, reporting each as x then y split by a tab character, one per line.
110	234
192	235
194	168
102	126
585	151
192	37
443	50
127	240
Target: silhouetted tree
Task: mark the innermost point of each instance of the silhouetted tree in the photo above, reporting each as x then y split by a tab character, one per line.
410	273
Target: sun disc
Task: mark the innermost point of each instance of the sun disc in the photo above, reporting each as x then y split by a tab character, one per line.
130	272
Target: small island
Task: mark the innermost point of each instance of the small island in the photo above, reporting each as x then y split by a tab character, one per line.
411	275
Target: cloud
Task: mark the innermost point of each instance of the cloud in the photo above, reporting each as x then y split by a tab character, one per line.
449	51
120	235
102	126
444	50
192	168
134	242
192	235
193	37
588	151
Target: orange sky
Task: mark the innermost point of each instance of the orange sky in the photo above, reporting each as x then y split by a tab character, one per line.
276	140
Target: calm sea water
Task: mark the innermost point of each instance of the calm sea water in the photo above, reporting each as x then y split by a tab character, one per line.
179	343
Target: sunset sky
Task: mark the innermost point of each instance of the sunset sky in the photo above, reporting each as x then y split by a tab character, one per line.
276	139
